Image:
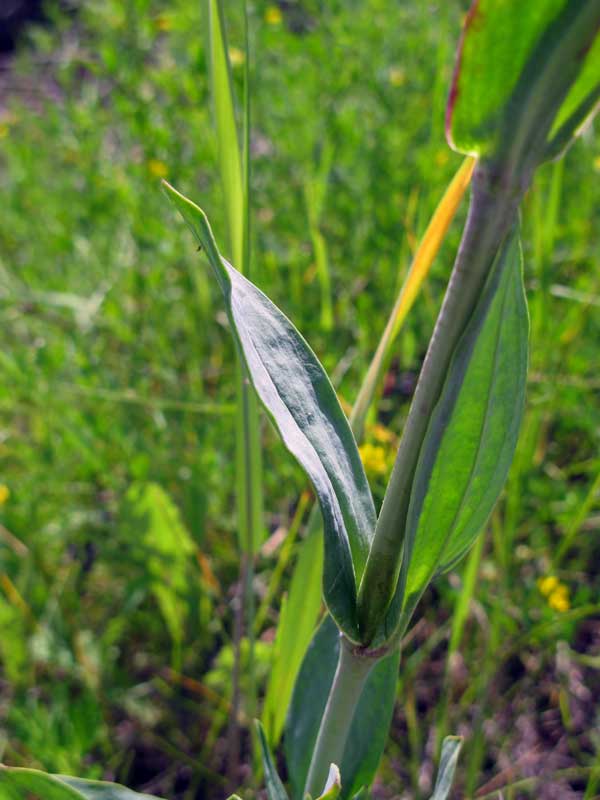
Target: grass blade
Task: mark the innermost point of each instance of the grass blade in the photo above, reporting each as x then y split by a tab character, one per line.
275	788
450	752
234	167
419	269
228	145
295	630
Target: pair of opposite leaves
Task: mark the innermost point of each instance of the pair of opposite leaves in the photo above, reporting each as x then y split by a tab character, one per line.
467	449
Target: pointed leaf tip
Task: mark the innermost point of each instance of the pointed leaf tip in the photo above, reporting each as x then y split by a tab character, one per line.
333	784
296	392
450	751
274	786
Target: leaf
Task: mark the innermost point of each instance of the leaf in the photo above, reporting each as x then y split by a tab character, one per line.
230	162
450	752
275	788
582	99
30	784
419	269
297	622
157	528
369	730
523	69
333	784
295	390
472	434
233	169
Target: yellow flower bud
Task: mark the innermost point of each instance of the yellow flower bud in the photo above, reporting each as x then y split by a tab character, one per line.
559	600
157	168
547	585
273	16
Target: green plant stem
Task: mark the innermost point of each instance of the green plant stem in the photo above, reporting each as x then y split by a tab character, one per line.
352	671
492	211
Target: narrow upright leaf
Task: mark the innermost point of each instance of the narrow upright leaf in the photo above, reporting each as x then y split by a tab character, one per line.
234	168
229	151
450	752
472	434
295	390
275	788
297	622
425	255
30	784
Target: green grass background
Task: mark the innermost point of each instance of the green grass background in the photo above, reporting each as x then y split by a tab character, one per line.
117	376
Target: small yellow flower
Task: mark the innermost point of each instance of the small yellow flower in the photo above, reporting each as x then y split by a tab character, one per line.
556	593
163	23
157	168
374	460
396	76
236	56
559	599
4	494
382	434
273	16
548	584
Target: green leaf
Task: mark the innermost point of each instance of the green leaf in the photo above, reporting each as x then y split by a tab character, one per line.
370	725
524	69
295	390
297	622
582	98
156	524
275	788
30	784
450	752
333	784
234	171
229	152
472	434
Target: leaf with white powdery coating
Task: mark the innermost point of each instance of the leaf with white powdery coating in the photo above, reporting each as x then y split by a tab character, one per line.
295	390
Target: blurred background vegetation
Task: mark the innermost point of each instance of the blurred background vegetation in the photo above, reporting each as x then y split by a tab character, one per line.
118	550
